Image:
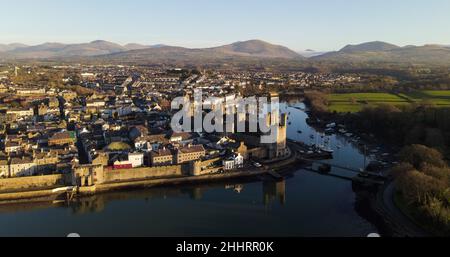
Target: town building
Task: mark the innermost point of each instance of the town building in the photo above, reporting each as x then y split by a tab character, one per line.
21	112
30	91
161	157
136	159
20	167
4	169
236	161
189	153
62	138
45	161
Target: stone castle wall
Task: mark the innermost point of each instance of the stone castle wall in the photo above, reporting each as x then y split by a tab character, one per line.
110	175
32	183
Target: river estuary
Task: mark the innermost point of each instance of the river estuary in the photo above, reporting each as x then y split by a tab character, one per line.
304	204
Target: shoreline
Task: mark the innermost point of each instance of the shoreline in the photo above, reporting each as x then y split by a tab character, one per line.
67	192
49	195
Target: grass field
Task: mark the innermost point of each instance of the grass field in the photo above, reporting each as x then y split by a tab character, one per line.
355	102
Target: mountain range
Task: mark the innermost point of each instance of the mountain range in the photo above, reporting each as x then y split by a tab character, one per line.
105	49
55	50
10	47
101	50
382	52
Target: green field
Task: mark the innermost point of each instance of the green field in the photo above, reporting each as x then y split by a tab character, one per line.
354	102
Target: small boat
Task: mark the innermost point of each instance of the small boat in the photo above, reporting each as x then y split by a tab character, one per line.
331	125
312	136
329	131
299	131
327	150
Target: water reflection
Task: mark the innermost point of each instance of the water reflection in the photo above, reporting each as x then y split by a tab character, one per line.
272	191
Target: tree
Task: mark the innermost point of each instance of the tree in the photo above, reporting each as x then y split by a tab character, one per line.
419	155
401	169
318	101
425	186
434	138
417	187
442	174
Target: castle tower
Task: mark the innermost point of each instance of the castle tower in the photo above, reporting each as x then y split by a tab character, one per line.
282	132
279	148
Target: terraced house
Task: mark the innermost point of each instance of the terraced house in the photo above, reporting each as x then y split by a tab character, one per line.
23	166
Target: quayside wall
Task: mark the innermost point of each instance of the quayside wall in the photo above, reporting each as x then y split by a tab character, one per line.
32	183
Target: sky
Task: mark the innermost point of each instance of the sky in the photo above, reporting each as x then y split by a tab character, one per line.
321	25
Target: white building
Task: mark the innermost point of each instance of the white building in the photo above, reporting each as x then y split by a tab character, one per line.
87	75
234	162
30	91
21	112
95	104
136	159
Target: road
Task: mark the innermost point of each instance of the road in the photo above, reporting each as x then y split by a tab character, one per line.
401	223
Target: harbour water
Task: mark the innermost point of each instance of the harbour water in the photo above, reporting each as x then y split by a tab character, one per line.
304	204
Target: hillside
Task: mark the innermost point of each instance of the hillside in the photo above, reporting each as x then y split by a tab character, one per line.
54	50
386	53
105	50
256	48
375	46
10	47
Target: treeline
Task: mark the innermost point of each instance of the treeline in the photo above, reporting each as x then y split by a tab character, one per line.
423	184
318	101
410	124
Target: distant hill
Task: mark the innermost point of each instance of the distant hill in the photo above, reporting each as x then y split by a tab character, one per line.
375	46
133	46
10	47
108	50
247	50
387	53
52	50
256	48
236	53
